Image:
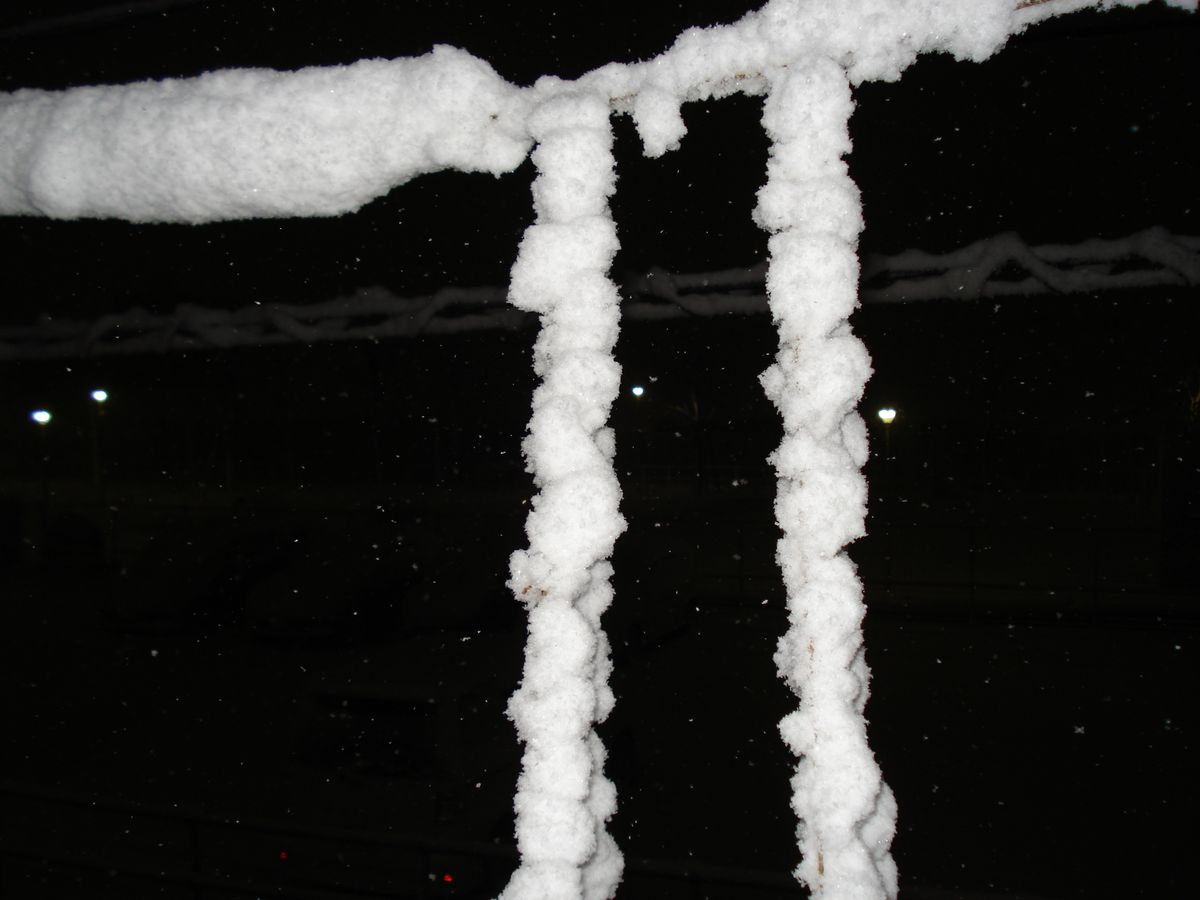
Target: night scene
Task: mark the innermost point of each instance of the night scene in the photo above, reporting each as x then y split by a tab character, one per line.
736	449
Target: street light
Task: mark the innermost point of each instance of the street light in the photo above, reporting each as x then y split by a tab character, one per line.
637	390
42	417
887	415
100	396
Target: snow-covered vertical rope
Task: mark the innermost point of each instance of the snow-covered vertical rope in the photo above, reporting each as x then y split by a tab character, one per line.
563	798
811	206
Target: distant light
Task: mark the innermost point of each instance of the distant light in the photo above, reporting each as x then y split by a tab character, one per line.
637	390
448	878
99	395
887	414
283	854
41	416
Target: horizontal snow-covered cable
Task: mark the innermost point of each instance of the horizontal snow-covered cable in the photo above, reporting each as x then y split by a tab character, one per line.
1028	12
247	143
1147	259
1005	266
253	143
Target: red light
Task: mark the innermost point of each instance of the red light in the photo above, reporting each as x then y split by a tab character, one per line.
283	854
447	878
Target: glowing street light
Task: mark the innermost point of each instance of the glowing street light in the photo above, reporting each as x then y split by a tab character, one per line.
637	390
100	396
887	415
42	417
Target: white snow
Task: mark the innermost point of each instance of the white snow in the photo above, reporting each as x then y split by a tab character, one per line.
249	143
847	813
325	141
1030	11
563	798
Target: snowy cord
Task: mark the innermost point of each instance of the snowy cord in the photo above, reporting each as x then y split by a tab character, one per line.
847	814
563	798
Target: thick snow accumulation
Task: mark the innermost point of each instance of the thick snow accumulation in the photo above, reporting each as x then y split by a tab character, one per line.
251	143
255	143
563	799
811	206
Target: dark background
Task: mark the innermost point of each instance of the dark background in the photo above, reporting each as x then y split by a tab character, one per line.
266	585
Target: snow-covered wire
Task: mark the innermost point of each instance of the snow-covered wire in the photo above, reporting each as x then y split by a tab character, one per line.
252	143
994	267
563	797
1029	12
847	814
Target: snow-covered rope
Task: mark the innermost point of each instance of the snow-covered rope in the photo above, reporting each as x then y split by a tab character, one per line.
254	143
247	143
811	207
563	798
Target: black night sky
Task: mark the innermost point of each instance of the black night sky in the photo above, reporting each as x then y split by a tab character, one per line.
266	584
